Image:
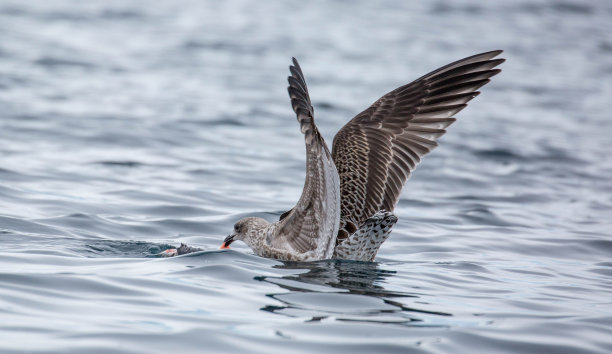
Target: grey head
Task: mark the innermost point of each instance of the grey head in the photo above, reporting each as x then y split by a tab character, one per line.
248	230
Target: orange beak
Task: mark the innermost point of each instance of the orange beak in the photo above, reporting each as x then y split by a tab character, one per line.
228	240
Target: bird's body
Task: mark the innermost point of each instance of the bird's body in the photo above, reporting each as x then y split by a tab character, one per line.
362	245
346	207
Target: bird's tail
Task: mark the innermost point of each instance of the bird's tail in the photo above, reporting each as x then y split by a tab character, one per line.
364	243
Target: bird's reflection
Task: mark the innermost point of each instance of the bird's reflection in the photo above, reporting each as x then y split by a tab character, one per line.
365	278
315	290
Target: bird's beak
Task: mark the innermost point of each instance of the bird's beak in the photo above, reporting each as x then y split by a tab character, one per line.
228	240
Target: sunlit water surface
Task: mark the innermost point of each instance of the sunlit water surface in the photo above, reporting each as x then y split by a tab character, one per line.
130	126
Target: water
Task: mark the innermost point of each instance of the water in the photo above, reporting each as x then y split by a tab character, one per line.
130	126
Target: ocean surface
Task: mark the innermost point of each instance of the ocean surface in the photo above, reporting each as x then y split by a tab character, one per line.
130	126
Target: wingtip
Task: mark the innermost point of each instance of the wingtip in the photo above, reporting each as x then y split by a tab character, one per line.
493	53
496	53
488	55
294	68
497	62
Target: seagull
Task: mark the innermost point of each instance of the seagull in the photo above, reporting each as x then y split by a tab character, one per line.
346	207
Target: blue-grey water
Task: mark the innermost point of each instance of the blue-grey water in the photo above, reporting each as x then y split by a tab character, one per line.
129	126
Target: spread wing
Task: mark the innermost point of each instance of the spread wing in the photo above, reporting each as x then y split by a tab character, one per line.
377	150
312	224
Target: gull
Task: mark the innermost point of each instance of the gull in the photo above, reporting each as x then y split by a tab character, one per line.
346	207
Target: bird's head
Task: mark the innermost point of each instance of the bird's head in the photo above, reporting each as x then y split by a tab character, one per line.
245	230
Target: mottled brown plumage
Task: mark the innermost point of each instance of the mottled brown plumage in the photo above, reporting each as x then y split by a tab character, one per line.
308	231
306	228
346	206
377	150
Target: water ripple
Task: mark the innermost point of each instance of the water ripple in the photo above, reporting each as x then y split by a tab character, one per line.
129	127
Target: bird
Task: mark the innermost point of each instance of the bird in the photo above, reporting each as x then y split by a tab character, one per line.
346	207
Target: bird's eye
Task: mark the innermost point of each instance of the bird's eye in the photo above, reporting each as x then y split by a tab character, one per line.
236	227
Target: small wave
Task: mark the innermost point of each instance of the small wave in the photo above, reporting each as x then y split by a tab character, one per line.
499	154
51	62
121	163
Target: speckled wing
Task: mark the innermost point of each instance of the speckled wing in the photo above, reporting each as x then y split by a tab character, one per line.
377	150
311	226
